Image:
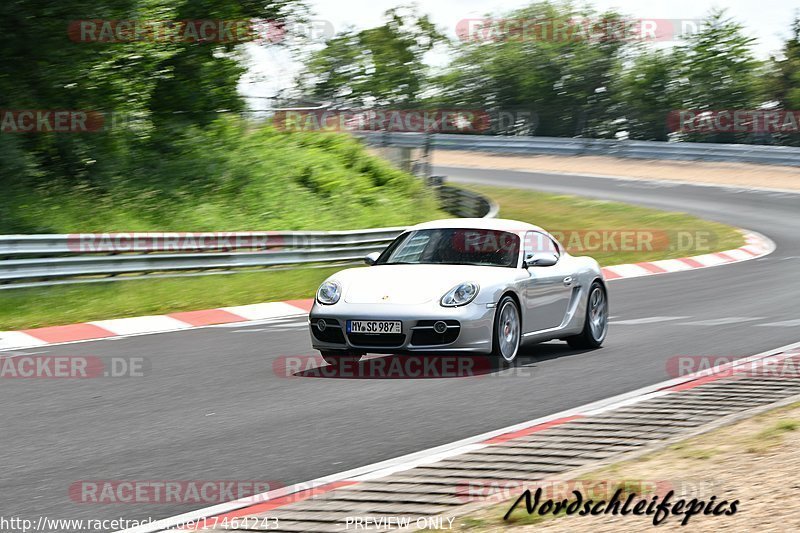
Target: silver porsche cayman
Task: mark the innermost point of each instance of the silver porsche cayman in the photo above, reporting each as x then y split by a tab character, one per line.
480	286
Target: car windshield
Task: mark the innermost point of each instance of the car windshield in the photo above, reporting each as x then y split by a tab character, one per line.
453	246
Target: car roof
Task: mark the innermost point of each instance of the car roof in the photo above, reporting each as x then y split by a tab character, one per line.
499	224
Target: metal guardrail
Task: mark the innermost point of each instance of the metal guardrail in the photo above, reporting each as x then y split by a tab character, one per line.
747	153
36	260
55	244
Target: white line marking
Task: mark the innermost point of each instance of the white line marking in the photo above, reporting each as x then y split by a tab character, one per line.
400	463
784	324
14	353
673	265
264	310
429	459
17	339
287	329
278	321
629	271
710	260
648	320
626	403
739	255
141	324
722	321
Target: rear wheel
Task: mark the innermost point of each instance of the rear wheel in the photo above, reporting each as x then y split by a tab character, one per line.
338	357
595	326
507	330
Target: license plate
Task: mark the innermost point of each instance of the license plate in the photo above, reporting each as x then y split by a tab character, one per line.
374	326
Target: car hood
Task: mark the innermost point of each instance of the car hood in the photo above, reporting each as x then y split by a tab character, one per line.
413	284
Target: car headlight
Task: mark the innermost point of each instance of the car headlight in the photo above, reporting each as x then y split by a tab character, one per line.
329	292
460	295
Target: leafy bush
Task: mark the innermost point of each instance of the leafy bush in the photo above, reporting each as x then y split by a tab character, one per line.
222	177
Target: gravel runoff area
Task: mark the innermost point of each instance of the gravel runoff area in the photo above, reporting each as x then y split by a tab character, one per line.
755	461
735	174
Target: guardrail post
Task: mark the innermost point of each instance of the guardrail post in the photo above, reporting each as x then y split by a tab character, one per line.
436	181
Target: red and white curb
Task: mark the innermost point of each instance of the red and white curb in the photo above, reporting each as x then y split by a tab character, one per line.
144	325
756	246
295	493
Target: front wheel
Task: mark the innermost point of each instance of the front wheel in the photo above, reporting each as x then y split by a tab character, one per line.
338	357
507	330
595	326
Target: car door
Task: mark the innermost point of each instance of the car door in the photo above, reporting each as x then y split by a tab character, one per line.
548	289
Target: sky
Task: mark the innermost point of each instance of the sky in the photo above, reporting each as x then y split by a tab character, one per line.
769	21
766	19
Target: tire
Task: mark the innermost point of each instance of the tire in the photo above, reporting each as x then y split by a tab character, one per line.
507	331
336	357
595	323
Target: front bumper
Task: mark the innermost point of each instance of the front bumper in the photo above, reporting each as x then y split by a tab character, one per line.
469	327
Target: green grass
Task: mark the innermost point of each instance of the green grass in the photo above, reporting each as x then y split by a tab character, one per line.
222	178
688	452
491	517
36	307
771	436
66	304
779	428
572	215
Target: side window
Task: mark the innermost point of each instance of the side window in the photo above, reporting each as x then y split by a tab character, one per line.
412	249
408	249
389	250
537	242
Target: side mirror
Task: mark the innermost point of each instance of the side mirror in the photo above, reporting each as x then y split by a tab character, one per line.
372	258
539	259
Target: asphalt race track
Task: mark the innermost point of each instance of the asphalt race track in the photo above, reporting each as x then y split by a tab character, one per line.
213	408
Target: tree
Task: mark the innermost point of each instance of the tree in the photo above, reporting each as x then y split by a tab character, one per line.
163	83
562	78
717	70
781	86
645	94
381	66
787	88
